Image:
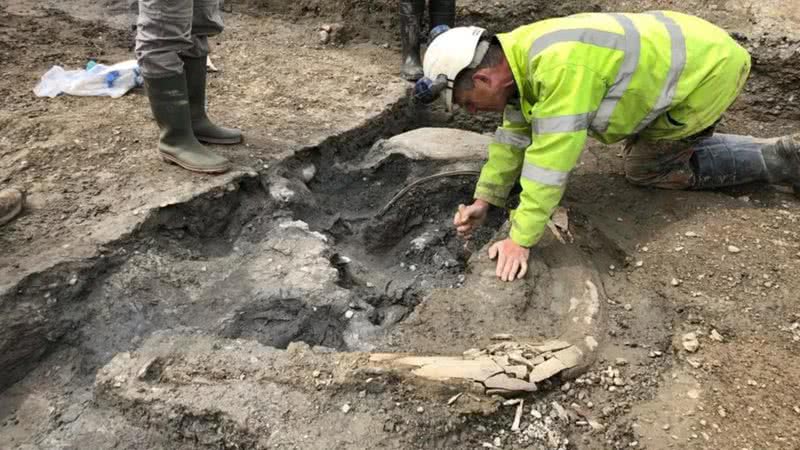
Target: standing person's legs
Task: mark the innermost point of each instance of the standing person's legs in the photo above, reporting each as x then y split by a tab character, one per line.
411	12
164	33
206	21
442	12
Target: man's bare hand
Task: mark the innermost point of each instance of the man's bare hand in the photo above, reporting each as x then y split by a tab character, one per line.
512	259
469	218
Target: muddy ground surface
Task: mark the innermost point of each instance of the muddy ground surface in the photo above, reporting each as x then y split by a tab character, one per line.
119	254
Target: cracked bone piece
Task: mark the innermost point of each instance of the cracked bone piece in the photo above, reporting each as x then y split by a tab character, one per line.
477	369
473	353
550	346
546	370
503	381
570	356
519	372
517	358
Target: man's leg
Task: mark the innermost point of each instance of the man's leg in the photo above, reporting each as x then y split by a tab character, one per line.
207	21
410	30
716	160
442	12
661	164
163	34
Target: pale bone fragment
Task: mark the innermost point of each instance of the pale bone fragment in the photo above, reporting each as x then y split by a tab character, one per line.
517	417
517	358
550	346
546	370
519	372
503	381
454	398
476	370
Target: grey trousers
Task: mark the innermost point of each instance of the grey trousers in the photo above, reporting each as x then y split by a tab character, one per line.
170	29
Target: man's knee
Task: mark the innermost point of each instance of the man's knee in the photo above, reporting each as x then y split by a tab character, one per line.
207	18
662	165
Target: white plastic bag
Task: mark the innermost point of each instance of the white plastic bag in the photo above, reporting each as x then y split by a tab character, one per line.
96	80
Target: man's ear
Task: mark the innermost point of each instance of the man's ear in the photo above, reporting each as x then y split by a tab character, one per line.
482	77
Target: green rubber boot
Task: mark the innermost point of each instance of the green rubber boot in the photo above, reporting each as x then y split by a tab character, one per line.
177	143
204	129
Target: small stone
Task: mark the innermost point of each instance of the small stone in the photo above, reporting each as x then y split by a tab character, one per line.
621	362
655	354
666	427
694	363
752	383
412	268
619	381
73	280
498	442
349	314
693	394
420	410
370	285
734	249
639	263
690	342
628	307
722	413
607	410
675	282
346	408
316	374
538	415
716	336
690	234
309	172
566	387
324	36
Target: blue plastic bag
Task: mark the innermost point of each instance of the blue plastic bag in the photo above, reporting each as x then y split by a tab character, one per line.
96	80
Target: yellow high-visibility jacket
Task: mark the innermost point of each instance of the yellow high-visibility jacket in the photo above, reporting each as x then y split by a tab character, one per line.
661	75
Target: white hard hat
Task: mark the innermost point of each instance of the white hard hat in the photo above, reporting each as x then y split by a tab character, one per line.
452	51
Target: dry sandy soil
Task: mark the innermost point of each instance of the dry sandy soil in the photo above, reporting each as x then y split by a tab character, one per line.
117	252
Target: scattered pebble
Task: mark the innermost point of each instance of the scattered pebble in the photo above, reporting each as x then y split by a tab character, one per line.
639	263
346	408
734	249
691	234
621	362
628	307
675	282
666	427
420	410
690	342
349	314
716	336
316	374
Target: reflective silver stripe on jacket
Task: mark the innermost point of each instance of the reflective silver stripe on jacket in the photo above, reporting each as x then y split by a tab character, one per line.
677	63
583	35
541	175
629	64
562	124
517	140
